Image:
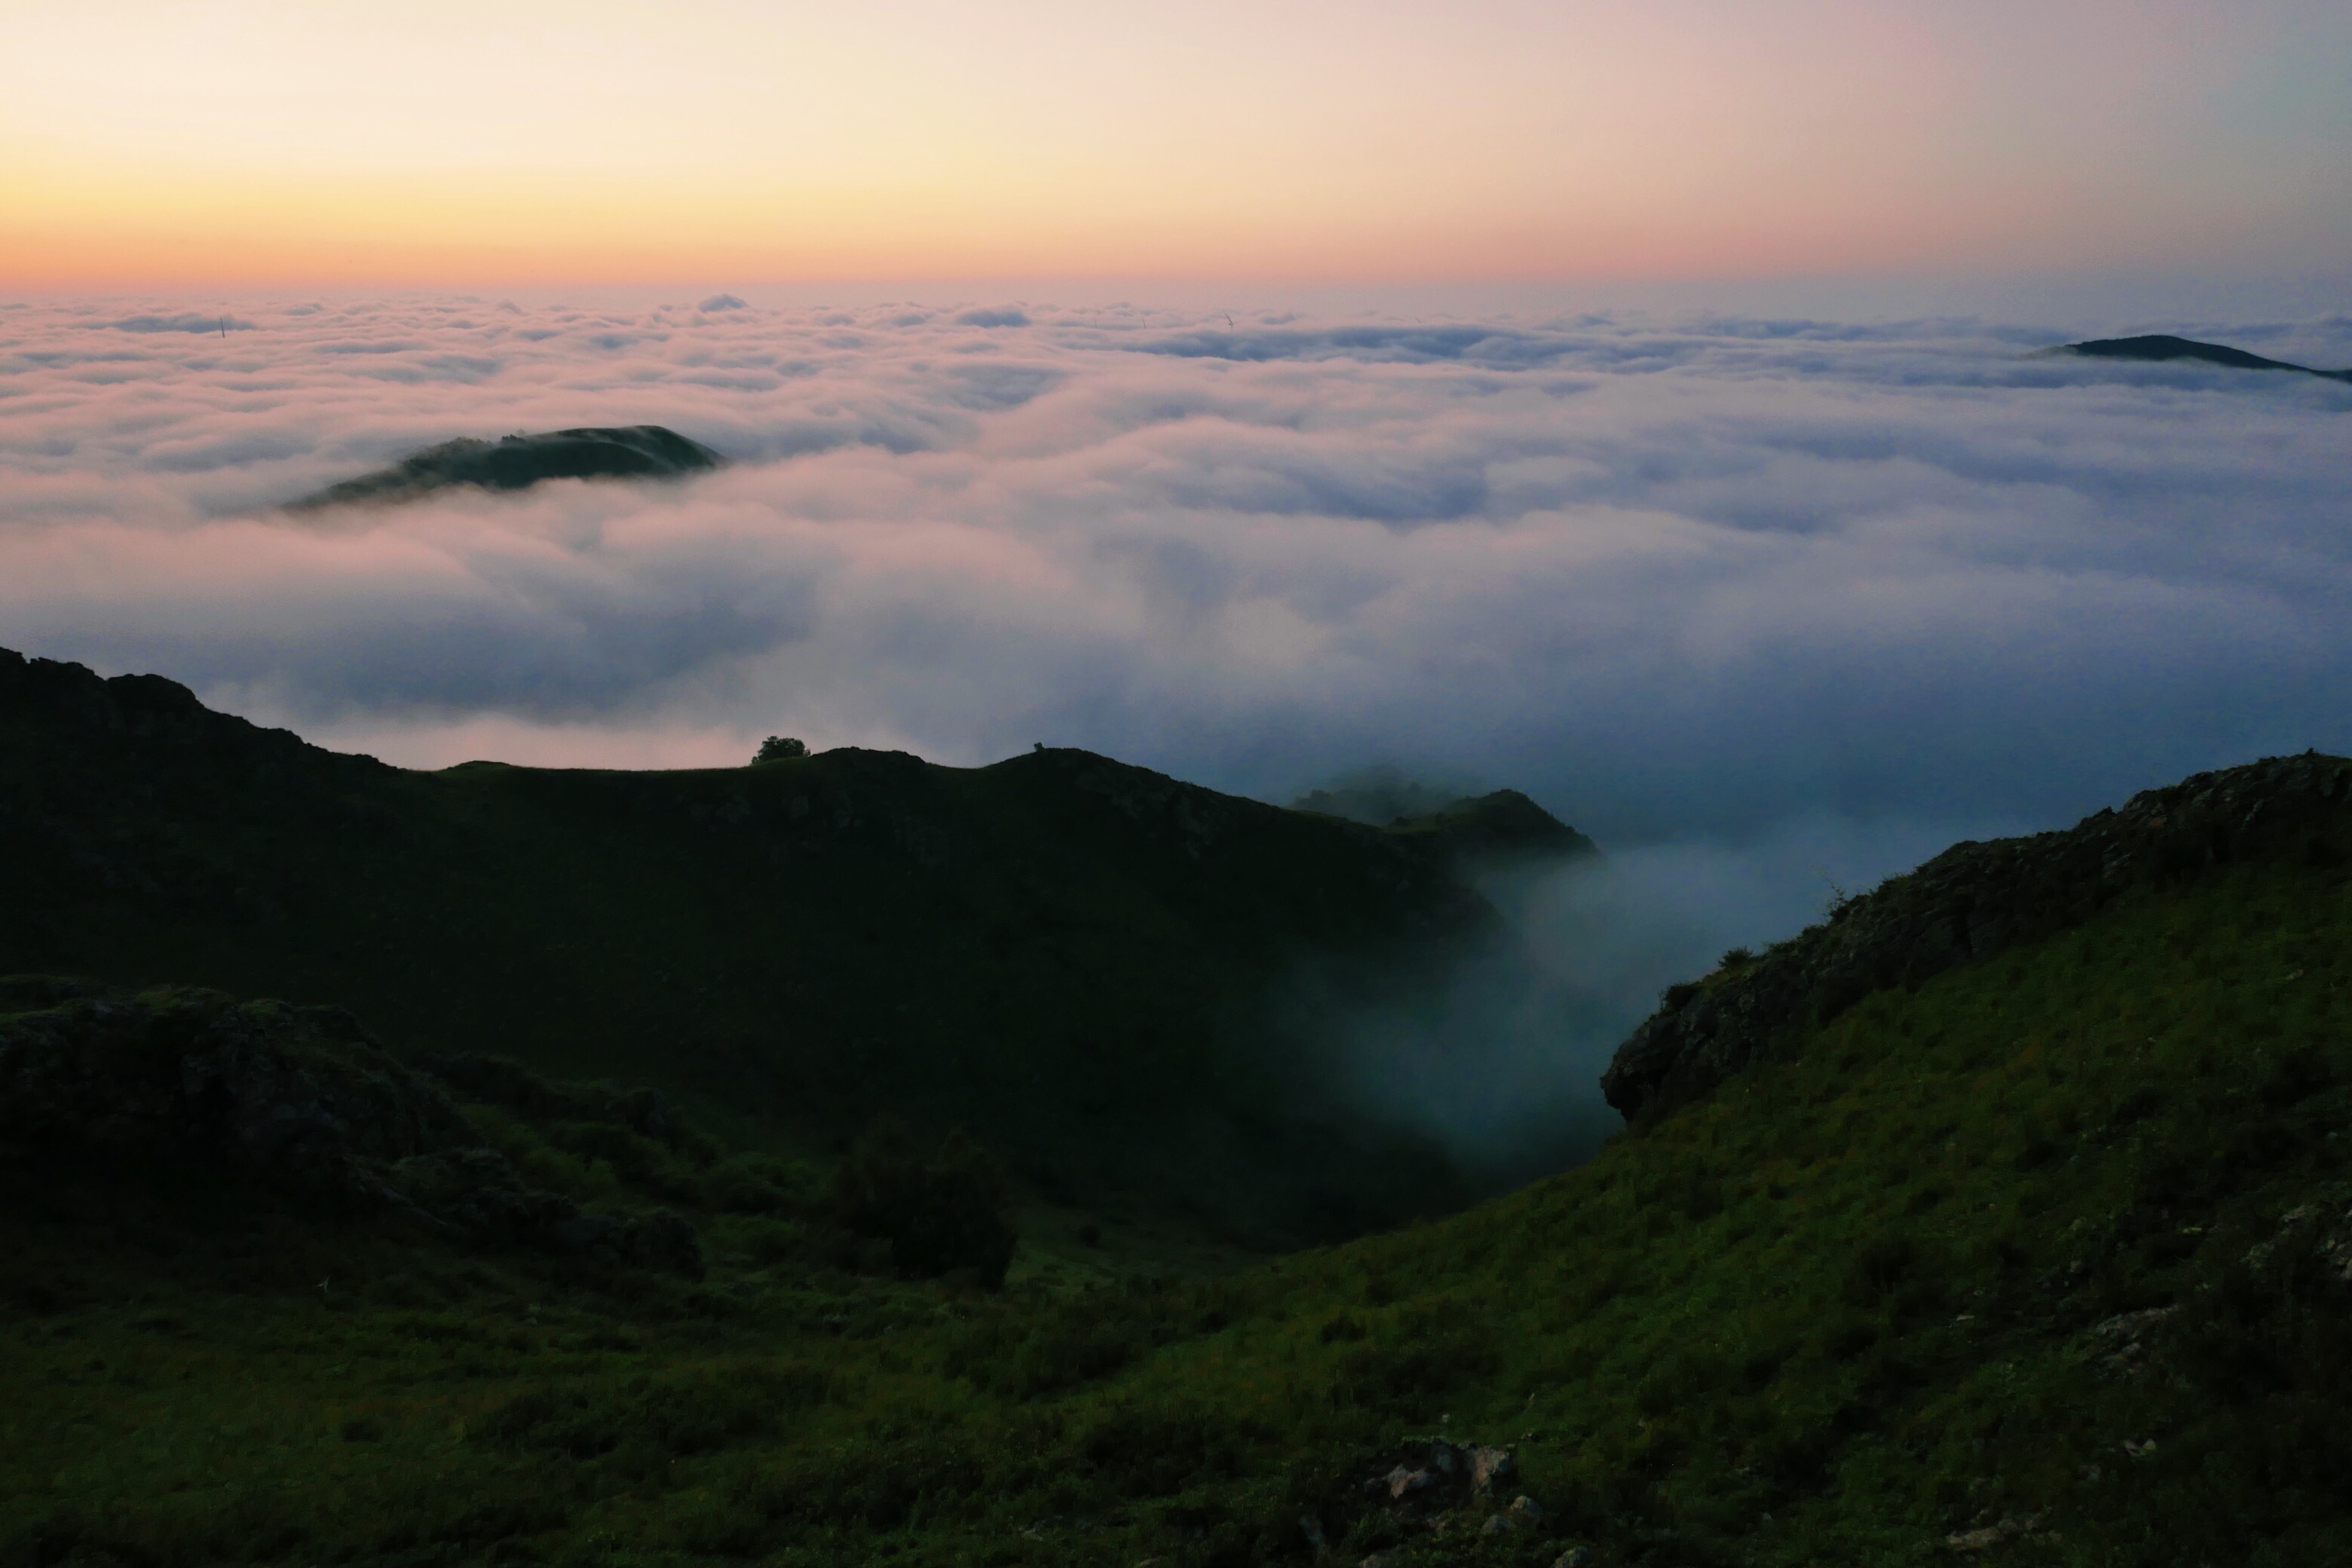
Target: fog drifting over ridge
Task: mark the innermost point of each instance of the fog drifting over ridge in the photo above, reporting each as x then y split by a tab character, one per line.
1686	581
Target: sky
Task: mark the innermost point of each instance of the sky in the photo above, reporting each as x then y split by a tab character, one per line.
262	144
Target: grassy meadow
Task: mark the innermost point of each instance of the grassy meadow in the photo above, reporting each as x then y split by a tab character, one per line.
1874	1301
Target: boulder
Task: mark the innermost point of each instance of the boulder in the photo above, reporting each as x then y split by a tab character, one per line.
1488	1467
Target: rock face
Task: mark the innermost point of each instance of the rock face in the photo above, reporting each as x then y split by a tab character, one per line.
516	462
1972	900
2162	346
297	1099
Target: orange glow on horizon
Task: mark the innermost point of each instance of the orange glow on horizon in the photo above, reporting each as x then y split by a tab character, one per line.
516	142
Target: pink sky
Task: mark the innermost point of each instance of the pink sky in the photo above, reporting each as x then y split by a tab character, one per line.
501	141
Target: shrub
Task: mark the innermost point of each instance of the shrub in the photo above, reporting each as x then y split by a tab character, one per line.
1059	1350
939	1214
1880	1267
666	1417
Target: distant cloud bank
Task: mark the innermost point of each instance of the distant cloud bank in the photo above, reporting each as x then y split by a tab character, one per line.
1703	579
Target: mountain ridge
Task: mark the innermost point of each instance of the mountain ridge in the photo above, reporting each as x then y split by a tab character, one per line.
1068	954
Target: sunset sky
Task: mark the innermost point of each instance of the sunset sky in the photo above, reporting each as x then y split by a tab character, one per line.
264	142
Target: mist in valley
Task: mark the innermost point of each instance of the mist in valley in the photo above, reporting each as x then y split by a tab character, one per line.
1500	1060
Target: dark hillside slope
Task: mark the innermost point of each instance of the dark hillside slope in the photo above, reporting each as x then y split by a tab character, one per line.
1063	953
1974	900
2040	1259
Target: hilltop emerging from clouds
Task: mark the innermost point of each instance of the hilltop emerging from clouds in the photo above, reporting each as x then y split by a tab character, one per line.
519	461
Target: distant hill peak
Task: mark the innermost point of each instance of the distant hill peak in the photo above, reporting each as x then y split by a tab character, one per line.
519	461
1493	832
2162	346
1474	835
1377	797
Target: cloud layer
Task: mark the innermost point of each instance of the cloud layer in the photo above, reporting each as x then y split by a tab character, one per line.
1696	580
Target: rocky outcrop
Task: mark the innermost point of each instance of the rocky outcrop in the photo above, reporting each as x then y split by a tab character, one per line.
295	1099
292	1094
1974	900
1425	1477
1427	1489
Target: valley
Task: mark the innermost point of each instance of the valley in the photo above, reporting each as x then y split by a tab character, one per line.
2002	1215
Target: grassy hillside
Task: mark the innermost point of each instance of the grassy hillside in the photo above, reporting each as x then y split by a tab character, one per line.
2039	1259
1074	959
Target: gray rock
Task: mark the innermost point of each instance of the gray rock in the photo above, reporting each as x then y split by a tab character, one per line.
1992	1536
1403	1483
2127	1335
1489	1466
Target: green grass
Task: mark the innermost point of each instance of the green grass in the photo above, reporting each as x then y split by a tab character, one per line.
1831	1314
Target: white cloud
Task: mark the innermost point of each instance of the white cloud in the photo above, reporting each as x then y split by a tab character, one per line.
1706	576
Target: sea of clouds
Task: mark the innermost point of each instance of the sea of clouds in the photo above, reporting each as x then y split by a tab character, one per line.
1763	606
